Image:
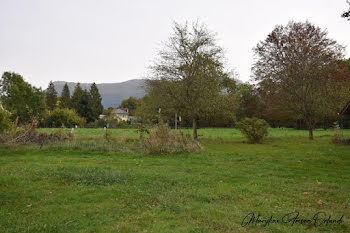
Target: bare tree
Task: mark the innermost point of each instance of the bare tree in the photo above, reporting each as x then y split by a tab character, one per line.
187	76
293	61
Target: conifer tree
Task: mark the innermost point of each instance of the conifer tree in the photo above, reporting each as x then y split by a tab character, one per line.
65	101
84	108
96	104
78	92
51	96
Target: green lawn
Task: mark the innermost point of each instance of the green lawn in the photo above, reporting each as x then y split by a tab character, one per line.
79	189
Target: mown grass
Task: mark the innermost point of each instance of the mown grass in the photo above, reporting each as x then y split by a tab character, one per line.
63	189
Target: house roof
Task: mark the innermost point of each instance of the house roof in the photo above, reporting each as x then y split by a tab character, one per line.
346	109
119	111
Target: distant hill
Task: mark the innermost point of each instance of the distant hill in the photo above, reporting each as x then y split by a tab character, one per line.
112	93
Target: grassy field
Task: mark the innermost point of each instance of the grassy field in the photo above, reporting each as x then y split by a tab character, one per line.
83	189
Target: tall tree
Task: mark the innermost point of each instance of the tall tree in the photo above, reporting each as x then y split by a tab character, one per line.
20	98
51	96
130	103
187	76
293	60
78	92
65	101
84	108
96	101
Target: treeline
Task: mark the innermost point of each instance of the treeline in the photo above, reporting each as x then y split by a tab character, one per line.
26	103
249	101
301	79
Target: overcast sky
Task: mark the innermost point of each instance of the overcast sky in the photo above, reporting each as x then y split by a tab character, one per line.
114	41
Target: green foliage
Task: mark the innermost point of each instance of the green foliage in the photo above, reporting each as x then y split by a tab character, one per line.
87	104
95	101
100	123
63	117
20	98
115	123
249	102
147	109
51	96
76	97
187	78
161	140
107	111
142	130
65	101
84	108
303	80
5	123
254	129
130	103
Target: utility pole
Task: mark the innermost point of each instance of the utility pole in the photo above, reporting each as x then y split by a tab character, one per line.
176	121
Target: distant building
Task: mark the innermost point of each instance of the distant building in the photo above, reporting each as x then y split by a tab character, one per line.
121	114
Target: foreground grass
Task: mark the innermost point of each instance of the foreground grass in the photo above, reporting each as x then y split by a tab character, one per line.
70	190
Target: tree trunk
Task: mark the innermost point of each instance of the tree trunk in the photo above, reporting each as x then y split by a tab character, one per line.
175	121
310	126
311	135
195	135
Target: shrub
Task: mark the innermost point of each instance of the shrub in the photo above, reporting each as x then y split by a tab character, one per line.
28	134
100	123
142	129
161	140
254	129
107	136
112	123
5	123
63	117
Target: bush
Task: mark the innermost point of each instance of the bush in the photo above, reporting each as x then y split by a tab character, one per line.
28	134
115	123
107	136
63	117
254	129
5	123
100	123
161	140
